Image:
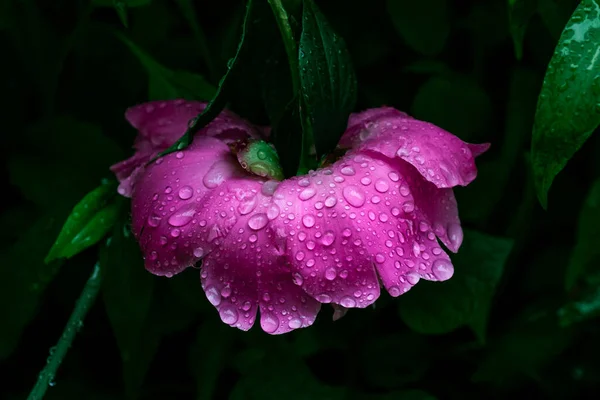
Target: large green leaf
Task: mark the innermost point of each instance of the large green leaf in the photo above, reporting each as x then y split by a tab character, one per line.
165	83
328	82
465	299
127	293
423	25
91	219
586	253
568	109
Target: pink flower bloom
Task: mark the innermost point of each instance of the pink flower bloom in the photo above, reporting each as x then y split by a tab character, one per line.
335	236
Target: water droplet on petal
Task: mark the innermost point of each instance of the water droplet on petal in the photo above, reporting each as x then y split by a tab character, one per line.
354	196
247	205
304	182
413	278
154	220
295	323
198	252
307	194
346	232
381	186
258	221
328	238
183	216
442	269
269	322
273	211
348	302
455	234
330	274
348	171
394	176
300	256
186	192
365	181
380	258
308	220
213	295
297	278
228	314
330	201
323	298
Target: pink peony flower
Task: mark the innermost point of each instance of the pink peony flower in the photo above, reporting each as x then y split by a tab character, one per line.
336	235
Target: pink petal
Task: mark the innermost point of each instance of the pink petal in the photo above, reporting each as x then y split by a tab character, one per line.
439	156
249	268
169	214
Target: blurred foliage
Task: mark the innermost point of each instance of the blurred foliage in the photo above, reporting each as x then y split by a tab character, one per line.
519	317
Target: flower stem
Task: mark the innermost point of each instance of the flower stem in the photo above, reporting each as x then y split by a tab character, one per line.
85	301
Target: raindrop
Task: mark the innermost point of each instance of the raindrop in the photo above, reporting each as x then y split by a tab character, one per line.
348	171
307	194
269	322
308	220
381	186
442	269
328	238
228	314
154	220
183	216
354	196
213	295
258	221
186	192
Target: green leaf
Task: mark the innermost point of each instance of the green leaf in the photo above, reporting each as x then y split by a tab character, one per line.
121	7
465	299
58	170
328	82
25	278
519	14
454	103
524	349
219	99
91	219
423	25
568	109
127	293
279	374
410	394
587	306
388	363
167	84
586	253
209	355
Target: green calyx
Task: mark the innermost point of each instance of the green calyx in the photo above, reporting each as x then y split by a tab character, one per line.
259	158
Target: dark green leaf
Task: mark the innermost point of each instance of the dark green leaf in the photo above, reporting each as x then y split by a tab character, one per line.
568	108
586	252
25	278
524	349
91	219
127	292
209	354
519	13
279	374
125	3
169	84
454	103
465	299
287	132
388	363
423	25
411	394
219	99
587	306
328	83
57	170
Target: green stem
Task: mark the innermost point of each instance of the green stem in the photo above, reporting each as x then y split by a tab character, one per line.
85	301
289	42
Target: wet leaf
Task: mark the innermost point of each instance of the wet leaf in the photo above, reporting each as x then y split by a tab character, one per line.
165	84
465	299
328	82
568	109
91	219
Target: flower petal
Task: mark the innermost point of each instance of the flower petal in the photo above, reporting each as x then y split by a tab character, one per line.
439	156
249	268
363	213
169	214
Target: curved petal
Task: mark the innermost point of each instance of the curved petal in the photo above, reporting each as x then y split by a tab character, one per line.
161	123
364	213
248	269
439	156
170	217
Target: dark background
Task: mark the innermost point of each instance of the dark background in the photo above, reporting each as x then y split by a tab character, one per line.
66	81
